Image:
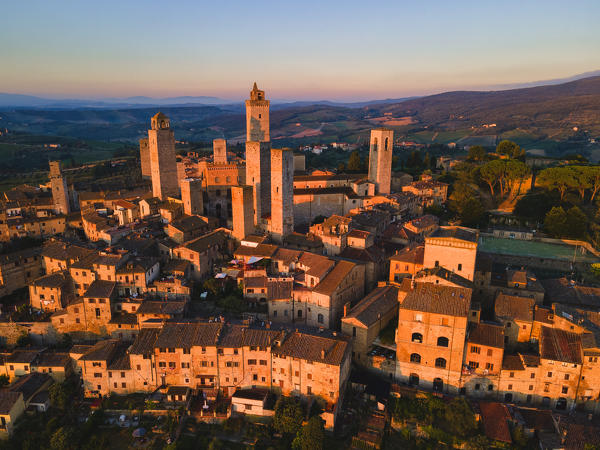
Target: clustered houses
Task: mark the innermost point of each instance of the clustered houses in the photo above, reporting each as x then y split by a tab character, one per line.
302	287
226	357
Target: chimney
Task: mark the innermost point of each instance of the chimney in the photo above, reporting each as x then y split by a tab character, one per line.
345	309
322	353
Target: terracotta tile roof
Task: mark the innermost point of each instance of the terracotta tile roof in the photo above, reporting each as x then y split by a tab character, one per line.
495	417
52	359
189	223
280	289
344	190
514	307
286	255
23	356
102	351
378	302
530	360
443	273
255	282
512	362
30	384
100	289
188	334
413	255
237	336
313	348
488	334
260	251
144	342
55	249
359	234
170	307
560	345
438	299
562	290
207	241
333	279
53	280
460	233
120	360
316	265
8	400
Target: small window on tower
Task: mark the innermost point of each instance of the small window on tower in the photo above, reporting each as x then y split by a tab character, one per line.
260	116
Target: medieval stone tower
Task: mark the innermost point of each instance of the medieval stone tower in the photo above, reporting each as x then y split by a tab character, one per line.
380	159
145	158
60	193
243	211
282	193
220	151
192	196
258	153
163	162
257	116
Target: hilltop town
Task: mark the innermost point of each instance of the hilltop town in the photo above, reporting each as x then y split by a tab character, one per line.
227	289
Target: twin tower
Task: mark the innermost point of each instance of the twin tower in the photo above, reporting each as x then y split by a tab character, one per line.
267	202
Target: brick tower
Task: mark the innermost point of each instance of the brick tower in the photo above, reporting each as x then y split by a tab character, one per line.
145	158
380	159
282	193
60	193
220	151
192	196
163	162
242	210
258	175
257	116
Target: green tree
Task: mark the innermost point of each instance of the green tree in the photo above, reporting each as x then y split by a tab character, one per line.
23	340
576	223
560	178
354	162
288	415
4	380
62	394
63	439
492	173
511	149
555	222
460	418
476	153
310	436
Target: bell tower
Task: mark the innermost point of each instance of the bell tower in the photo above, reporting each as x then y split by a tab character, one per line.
257	116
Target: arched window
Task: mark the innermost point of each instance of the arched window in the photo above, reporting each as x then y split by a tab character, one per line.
417	337
440	362
386	144
413	379
320	318
415	358
442	342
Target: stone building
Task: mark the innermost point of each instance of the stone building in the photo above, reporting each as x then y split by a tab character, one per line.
432	329
192	196
163	162
257	117
454	248
282	196
258	175
380	159
220	151
243	211
145	158
60	193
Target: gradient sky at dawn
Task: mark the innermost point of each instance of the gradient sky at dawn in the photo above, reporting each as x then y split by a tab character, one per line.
295	50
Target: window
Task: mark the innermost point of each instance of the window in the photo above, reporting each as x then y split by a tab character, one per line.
97	375
490	387
417	337
309	376
531	387
510	387
489	352
459	267
415	358
122	374
442	342
477	386
97	312
171	365
532	375
565	389
251	362
566	377
549	374
489	366
263	362
440	363
418	317
320	318
473	365
511	374
475	349
353	331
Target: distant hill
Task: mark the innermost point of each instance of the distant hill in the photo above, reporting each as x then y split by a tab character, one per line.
535	117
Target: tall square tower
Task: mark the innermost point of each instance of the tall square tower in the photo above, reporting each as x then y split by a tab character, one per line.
282	193
243	211
60	193
163	162
258	175
192	196
220	151
380	159
257	116
145	158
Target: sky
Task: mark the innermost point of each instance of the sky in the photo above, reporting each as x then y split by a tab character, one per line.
338	50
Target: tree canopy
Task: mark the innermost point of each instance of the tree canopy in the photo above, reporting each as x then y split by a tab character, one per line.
288	415
511	149
310	436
